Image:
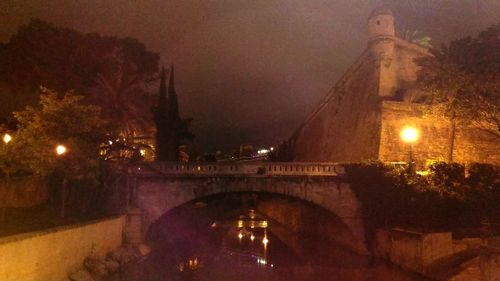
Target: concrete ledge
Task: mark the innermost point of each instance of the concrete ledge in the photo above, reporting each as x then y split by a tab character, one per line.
32	234
55	253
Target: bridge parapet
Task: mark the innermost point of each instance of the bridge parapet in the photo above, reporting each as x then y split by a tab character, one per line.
268	169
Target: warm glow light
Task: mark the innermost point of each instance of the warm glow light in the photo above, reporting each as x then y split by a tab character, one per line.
423	173
263	151
7	138
143	152
252	237
262	261
240	235
60	149
265	241
409	134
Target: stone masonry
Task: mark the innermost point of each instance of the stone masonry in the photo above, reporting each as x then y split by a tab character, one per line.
157	194
362	116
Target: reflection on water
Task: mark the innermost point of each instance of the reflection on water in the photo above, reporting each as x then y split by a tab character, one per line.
249	247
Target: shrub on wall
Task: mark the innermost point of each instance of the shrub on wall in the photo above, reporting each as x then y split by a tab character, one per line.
443	200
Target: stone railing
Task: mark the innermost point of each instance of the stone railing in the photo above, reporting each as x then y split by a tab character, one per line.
239	169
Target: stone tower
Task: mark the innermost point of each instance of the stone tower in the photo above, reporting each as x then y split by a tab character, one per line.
381	41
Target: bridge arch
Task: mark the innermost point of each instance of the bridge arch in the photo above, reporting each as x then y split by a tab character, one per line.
157	195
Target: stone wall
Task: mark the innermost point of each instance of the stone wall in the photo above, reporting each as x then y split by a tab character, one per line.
345	126
411	250
433	144
311	222
490	264
52	255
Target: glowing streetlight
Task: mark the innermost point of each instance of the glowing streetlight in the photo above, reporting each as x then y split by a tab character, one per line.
7	138
252	237
409	135
60	149
240	235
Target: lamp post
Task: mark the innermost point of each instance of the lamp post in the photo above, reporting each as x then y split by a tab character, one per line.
6	139
60	151
409	135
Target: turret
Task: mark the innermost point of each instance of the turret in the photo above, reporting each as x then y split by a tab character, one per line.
381	40
381	31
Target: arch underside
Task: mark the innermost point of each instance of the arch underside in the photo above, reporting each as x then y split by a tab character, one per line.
155	197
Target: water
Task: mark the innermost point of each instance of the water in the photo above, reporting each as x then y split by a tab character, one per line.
241	245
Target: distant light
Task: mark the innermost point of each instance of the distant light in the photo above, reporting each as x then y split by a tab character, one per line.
7	138
263	151
252	237
110	142
143	152
240	235
199	168
265	240
60	149
423	173
272	148
409	134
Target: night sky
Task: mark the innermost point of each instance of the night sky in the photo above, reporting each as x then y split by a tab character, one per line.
248	71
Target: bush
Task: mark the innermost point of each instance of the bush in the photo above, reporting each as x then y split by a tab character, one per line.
444	200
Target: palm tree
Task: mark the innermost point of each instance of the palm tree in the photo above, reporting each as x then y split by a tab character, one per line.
121	91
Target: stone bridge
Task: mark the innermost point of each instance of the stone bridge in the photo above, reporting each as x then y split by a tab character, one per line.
157	188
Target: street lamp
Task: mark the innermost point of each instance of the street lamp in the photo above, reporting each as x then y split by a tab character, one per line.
409	135
60	151
7	138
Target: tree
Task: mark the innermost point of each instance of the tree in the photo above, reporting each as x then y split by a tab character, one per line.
58	121
111	72
462	80
171	130
416	37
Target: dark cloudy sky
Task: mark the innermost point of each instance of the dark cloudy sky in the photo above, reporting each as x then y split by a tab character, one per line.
248	71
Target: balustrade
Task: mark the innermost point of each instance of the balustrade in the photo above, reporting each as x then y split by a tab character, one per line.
242	169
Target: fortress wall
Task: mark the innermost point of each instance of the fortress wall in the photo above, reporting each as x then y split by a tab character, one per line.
346	127
471	145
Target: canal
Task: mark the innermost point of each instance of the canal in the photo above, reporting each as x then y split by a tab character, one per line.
226	239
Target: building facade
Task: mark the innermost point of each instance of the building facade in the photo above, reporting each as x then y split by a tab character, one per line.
361	118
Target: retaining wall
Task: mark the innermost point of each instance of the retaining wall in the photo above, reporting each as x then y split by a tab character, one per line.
51	255
411	250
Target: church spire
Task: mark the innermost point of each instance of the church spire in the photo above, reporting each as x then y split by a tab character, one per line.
161	120
162	101
172	96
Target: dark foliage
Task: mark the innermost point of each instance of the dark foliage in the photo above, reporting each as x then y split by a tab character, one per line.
110	72
462	80
443	200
